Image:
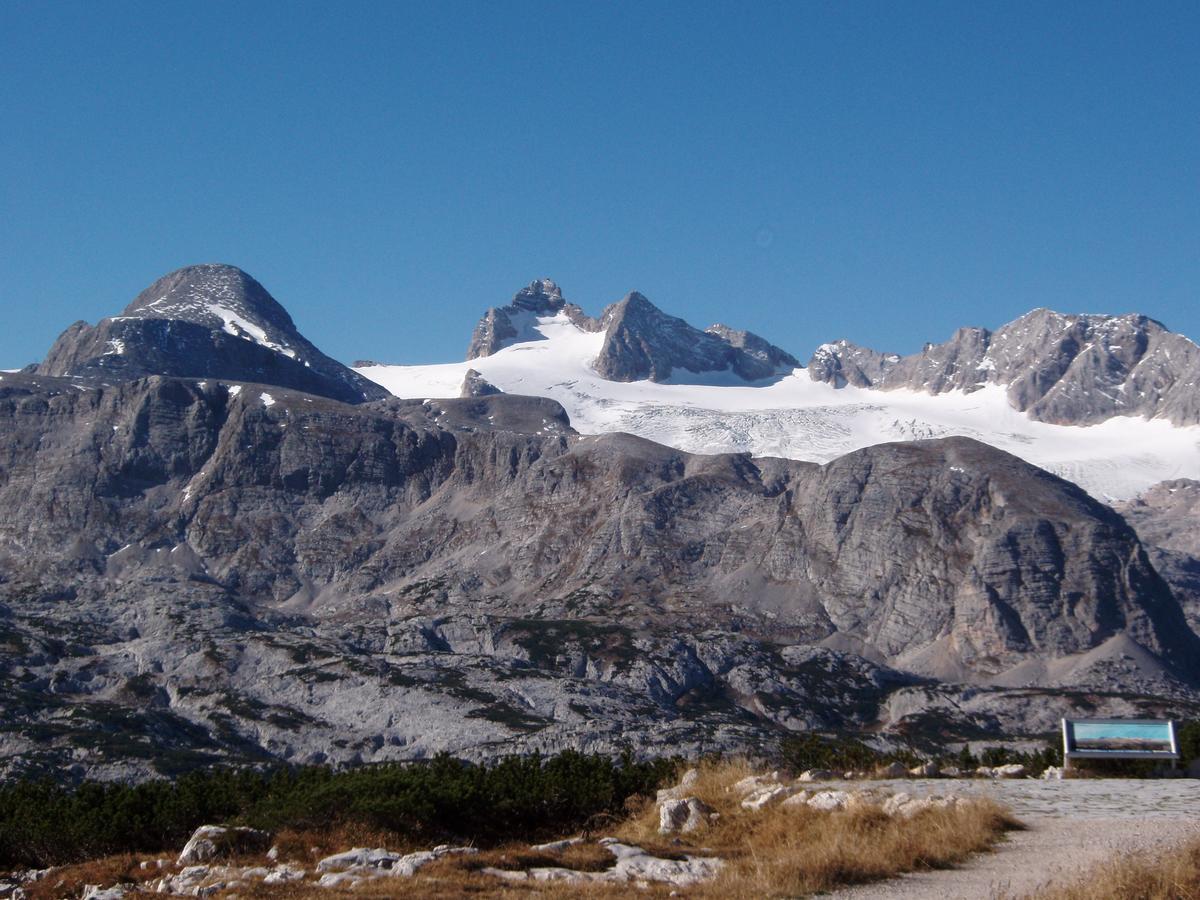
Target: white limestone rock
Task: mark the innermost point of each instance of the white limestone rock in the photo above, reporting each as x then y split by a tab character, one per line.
683	816
680	790
210	841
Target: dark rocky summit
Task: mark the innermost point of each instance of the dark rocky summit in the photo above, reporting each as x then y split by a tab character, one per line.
641	341
504	325
1065	369
207	321
475	385
204	568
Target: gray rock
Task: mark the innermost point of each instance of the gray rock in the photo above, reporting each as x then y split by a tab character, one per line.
207	321
683	815
1065	369
643	342
212	841
475	385
1166	519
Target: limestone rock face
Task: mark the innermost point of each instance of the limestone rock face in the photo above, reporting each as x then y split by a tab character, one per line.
643	342
207	321
1065	369
1167	519
246	572
475	385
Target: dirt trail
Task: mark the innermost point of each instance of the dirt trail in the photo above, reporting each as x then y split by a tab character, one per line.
1072	826
1054	849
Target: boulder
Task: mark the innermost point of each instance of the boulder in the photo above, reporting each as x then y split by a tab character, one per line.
359	858
683	816
96	892
817	775
798	799
680	790
211	841
767	795
891	770
1009	771
282	874
752	783
926	770
635	864
1052	773
829	800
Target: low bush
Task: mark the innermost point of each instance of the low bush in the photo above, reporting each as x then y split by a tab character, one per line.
837	754
44	824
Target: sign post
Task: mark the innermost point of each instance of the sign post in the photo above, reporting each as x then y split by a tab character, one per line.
1119	739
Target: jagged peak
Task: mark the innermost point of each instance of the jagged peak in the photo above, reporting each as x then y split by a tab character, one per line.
542	295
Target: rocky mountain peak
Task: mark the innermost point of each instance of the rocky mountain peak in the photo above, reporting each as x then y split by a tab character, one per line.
542	296
1073	369
514	323
217	296
205	321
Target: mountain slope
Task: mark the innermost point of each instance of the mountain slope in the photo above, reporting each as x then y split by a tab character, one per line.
198	571
207	321
804	415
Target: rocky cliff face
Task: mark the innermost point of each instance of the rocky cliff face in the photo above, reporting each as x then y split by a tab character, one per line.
207	321
1167	518
213	570
1066	369
641	341
208	567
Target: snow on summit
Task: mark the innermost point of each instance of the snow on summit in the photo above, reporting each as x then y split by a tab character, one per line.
795	416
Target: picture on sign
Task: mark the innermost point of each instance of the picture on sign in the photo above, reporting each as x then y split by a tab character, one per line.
1122	737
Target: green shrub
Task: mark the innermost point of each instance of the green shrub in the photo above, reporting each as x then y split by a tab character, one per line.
44	824
836	754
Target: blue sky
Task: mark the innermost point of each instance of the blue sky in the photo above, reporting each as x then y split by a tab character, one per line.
884	172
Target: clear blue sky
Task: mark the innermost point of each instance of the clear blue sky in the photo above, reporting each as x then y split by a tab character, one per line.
881	171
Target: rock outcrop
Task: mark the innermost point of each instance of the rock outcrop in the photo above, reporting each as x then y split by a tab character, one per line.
643	342
1167	519
247	572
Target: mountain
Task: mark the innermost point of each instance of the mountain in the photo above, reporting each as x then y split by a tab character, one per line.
1024	389
1064	369
199	569
206	321
195	572
640	341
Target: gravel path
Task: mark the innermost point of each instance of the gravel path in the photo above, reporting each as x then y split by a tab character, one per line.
1072	826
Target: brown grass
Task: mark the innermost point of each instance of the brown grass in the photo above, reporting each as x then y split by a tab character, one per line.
1174	875
788	851
70	881
776	852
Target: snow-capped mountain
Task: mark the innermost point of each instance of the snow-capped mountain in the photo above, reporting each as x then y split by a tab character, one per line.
206	321
1103	401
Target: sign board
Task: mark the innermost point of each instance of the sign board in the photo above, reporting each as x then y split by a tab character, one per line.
1119	739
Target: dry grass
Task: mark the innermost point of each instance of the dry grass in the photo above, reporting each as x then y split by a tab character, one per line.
788	851
70	881
775	852
1174	875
